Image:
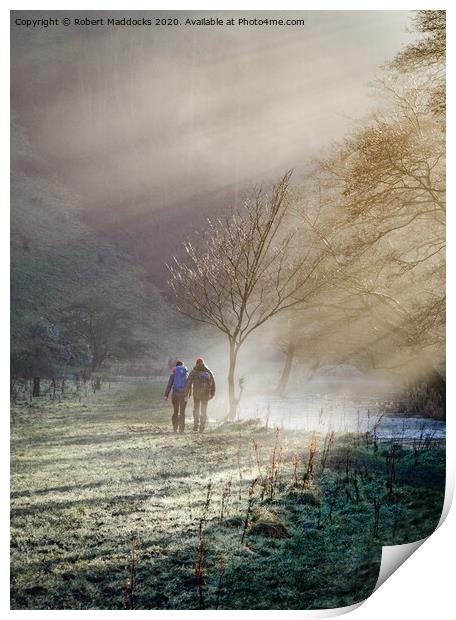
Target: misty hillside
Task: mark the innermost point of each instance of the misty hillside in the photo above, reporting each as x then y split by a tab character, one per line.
131	226
57	260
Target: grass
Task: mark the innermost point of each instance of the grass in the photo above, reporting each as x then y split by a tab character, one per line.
111	510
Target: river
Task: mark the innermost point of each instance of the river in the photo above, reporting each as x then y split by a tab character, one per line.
323	413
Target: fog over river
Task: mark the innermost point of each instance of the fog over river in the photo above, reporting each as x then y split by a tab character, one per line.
325	413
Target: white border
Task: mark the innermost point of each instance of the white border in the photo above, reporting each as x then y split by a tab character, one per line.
422	588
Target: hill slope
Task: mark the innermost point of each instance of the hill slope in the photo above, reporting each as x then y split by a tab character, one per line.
57	260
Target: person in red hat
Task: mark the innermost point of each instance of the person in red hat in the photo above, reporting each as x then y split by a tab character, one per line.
202	383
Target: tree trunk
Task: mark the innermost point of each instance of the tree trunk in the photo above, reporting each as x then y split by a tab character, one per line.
286	371
233	401
36	387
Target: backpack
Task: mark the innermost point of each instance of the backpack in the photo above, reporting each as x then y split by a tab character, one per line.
204	378
180	378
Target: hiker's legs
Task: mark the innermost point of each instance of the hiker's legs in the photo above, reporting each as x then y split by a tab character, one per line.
196	413
174	419
203	417
182	405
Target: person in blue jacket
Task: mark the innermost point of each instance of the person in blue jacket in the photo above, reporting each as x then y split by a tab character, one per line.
177	382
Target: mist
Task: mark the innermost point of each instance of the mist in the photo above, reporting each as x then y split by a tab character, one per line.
153	119
154	129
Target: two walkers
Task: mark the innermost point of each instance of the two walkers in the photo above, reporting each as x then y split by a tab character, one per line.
200	382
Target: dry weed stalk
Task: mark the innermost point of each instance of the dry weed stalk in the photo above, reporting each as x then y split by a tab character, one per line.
201	548
376	516
220	579
226	495
256	449
130	581
328	442
374	430
249	509
296	461
270	480
308	474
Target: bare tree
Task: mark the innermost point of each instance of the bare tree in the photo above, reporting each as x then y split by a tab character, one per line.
428	51
387	182
427	55
100	330
249	270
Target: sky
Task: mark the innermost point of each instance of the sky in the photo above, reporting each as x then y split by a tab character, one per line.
169	122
